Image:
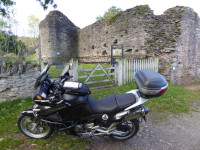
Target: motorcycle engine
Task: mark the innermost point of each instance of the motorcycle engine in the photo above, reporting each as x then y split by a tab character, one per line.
88	126
82	128
78	128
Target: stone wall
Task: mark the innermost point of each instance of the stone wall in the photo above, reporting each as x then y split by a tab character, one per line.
58	35
128	29
17	80
186	64
172	37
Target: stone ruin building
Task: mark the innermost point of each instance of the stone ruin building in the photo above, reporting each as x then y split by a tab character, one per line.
59	38
173	37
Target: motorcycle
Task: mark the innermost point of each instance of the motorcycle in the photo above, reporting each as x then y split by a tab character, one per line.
67	106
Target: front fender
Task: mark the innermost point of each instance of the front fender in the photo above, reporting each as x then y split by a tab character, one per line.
28	112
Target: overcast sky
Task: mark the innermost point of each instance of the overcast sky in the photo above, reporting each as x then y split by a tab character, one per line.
84	12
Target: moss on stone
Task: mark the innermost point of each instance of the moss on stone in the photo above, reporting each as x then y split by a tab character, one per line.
196	15
141	23
148	51
9	62
111	19
126	19
142	9
182	9
173	39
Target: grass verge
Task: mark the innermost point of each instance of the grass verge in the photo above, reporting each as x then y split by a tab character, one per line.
8	142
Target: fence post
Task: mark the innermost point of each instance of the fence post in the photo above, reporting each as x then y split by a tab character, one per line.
124	72
116	73
75	70
119	72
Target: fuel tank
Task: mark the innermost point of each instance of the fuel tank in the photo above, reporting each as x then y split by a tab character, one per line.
79	106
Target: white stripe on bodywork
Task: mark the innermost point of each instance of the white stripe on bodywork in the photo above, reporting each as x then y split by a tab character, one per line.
139	100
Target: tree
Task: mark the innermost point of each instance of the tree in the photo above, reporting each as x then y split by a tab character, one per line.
45	3
6	4
33	23
111	12
4	7
4	25
9	43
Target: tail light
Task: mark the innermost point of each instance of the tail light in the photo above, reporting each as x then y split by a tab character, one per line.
162	91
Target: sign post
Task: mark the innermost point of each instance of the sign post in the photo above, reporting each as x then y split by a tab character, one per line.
117	51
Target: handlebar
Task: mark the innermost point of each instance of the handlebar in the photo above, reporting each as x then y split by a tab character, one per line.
65	78
63	101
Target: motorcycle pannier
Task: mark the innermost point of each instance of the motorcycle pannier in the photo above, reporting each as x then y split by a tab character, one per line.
150	83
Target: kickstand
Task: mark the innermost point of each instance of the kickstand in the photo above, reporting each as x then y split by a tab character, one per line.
90	136
145	120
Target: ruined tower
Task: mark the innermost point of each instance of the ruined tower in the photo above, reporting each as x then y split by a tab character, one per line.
58	38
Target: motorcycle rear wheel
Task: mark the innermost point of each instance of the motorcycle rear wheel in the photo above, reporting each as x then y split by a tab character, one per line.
33	128
131	127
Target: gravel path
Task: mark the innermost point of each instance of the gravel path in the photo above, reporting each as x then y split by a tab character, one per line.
176	133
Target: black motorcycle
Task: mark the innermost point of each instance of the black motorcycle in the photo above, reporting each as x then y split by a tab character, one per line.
67	106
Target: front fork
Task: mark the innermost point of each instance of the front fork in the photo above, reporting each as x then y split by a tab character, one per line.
32	113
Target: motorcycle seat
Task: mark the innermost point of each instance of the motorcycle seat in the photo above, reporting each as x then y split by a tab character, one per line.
111	104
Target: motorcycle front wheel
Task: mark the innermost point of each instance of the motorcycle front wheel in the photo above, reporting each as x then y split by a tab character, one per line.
129	127
33	127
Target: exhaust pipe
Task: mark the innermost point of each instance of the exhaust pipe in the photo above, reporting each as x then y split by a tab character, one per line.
141	112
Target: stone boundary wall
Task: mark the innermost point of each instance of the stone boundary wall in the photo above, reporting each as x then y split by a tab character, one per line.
17	81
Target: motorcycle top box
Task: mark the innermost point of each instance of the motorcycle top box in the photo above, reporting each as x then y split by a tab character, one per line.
150	83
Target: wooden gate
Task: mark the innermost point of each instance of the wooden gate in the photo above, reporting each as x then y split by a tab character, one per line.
102	74
97	75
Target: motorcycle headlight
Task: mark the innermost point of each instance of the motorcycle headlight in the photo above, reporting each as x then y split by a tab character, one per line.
39	97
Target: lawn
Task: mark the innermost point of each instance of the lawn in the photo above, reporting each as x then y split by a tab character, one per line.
176	100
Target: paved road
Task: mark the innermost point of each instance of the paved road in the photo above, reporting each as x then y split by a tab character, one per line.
176	133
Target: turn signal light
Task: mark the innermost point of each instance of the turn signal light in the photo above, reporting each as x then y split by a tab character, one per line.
39	97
